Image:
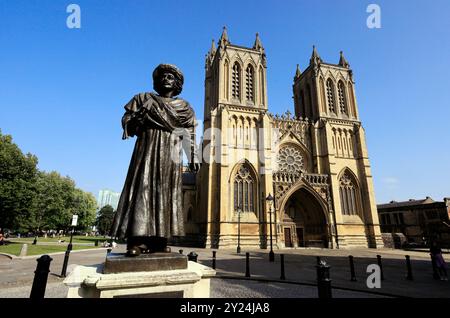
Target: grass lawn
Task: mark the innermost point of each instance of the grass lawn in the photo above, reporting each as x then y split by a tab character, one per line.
76	239
14	248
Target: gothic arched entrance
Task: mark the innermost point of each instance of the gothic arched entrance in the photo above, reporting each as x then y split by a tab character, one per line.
303	220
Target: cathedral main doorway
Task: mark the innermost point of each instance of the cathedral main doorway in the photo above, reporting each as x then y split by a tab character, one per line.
304	221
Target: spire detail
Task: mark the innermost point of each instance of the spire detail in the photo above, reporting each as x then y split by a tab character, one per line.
297	73
212	50
342	61
258	45
224	37
315	58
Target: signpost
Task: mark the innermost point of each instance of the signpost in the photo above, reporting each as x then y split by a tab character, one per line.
69	247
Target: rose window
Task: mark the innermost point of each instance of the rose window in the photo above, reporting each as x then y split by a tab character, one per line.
290	160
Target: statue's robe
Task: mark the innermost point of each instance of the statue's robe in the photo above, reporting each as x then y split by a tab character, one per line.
151	200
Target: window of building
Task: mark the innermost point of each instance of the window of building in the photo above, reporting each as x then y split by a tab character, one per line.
402	220
244	190
236	81
249	81
388	219
342	100
396	219
330	96
348	194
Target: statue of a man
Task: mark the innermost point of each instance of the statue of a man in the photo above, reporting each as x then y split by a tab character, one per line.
150	206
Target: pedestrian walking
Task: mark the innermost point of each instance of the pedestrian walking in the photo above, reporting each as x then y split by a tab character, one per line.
436	253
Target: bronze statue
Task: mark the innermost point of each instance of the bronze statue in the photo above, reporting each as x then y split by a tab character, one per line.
150	206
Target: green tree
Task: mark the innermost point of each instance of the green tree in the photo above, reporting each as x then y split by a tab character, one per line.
85	206
104	219
54	201
33	200
17	185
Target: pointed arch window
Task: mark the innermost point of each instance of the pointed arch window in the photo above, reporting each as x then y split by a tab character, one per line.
330	96
226	80
348	193
249	83
244	194
342	100
236	81
310	102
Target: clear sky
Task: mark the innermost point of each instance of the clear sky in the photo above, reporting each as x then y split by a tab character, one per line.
62	90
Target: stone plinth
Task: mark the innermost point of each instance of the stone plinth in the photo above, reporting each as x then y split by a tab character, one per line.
119	263
91	282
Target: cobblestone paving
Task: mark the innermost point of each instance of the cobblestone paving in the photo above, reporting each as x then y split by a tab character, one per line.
16	275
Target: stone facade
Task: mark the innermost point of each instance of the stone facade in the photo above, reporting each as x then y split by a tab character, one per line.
314	163
418	220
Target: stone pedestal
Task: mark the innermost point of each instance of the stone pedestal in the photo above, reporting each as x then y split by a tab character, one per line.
119	263
193	281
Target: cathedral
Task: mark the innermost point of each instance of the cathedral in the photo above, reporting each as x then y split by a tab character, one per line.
294	180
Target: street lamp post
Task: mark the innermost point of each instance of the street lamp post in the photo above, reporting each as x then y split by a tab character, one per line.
238	249
69	247
269	199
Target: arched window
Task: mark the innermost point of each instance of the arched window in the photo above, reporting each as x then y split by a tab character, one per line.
244	190
330	96
302	104
226	80
348	192
249	84
261	83
322	96
342	99
310	102
236	81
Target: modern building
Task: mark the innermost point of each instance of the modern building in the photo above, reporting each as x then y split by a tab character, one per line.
314	163
108	197
418	220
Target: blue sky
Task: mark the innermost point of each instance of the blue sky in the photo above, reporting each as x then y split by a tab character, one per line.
62	90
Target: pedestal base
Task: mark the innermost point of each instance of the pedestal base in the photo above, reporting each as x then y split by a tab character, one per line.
119	263
90	282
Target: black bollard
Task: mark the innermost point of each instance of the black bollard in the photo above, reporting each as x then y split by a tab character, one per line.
323	280
192	256
318	260
282	276
34	241
96	242
352	269
381	267
435	270
409	275
40	277
214	260
180	251
247	264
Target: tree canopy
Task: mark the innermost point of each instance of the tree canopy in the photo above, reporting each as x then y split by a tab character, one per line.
104	219
33	200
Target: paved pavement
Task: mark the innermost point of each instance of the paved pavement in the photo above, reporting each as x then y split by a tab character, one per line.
16	275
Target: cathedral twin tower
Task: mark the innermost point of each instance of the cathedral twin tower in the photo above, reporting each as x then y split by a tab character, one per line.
314	164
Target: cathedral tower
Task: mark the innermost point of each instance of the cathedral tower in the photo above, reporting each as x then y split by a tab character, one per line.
232	182
325	93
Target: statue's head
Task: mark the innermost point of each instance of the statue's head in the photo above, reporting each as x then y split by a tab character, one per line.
166	78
